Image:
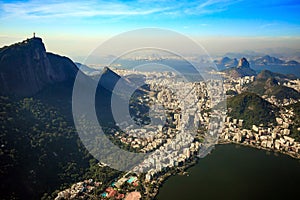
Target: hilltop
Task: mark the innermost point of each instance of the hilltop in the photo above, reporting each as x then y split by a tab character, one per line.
26	68
252	109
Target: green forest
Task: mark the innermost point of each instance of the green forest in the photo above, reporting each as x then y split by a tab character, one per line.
40	151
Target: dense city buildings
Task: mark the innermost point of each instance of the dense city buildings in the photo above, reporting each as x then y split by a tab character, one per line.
184	126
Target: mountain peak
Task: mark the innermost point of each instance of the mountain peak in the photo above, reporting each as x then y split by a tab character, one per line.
27	45
225	59
26	68
268	60
243	63
34	39
266	57
241	70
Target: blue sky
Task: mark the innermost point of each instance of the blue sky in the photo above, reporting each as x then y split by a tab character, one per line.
90	20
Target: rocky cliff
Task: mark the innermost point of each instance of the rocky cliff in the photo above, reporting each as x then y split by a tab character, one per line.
26	68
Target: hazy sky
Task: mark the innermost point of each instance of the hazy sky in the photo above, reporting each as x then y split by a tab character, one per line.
74	28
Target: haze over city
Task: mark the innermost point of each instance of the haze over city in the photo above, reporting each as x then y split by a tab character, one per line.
75	28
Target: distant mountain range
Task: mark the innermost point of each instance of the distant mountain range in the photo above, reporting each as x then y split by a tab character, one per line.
227	62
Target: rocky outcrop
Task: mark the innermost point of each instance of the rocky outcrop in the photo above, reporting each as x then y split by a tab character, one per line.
26	68
243	64
241	70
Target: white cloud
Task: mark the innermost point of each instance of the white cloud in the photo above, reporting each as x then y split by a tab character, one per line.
38	9
91	8
209	6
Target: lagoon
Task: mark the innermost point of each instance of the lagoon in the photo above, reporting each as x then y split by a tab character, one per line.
236	172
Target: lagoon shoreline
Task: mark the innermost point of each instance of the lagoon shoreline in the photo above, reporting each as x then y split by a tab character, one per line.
161	180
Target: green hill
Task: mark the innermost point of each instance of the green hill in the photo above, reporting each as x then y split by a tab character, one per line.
269	83
252	109
265	74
